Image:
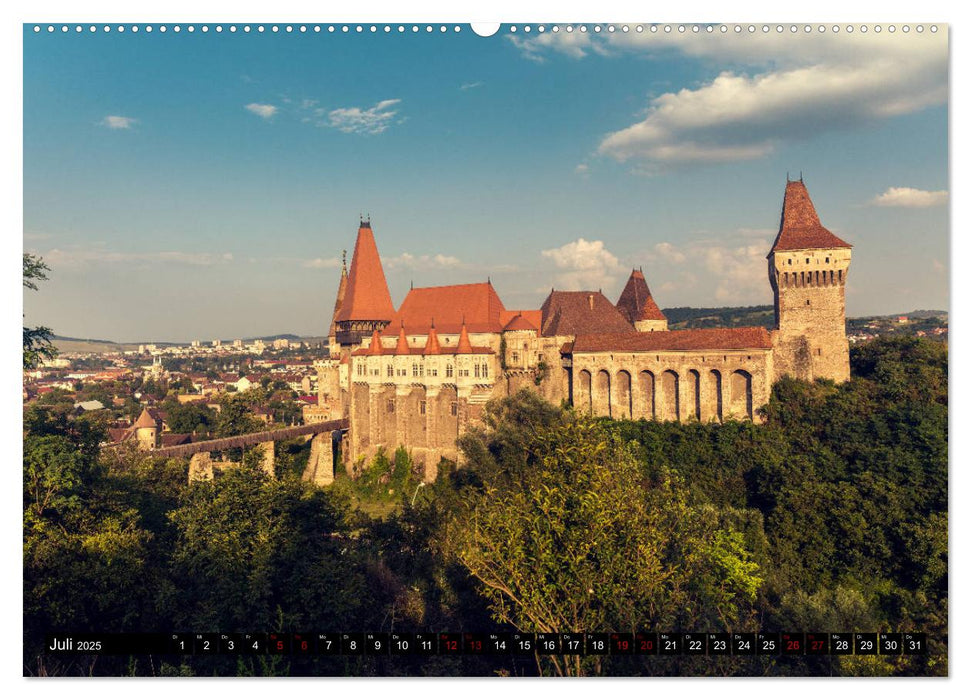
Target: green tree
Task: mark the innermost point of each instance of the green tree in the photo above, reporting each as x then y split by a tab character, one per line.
38	345
563	533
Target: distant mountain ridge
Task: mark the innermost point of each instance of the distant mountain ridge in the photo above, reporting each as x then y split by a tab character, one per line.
679	318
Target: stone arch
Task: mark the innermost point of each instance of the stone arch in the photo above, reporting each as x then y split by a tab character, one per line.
715	392
670	404
601	394
645	395
741	393
624	407
584	393
694	387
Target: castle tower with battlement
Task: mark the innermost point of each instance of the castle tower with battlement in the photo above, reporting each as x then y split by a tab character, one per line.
808	266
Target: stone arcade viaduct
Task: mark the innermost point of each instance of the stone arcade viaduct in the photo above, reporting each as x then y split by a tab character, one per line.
320	465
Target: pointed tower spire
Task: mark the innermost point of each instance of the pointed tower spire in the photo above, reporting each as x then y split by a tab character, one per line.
402	348
375	348
367	297
800	228
341	295
465	345
433	347
638	306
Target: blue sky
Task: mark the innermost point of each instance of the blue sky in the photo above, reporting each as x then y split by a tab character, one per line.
203	185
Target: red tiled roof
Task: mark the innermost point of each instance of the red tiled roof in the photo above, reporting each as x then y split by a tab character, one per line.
748	338
534	316
118	434
464	347
800	227
367	297
402	348
173	439
478	304
375	347
520	323
573	313
636	302
432	346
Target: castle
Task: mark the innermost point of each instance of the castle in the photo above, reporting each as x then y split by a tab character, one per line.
419	376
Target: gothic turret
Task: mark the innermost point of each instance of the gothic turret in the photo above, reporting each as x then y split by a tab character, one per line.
808	265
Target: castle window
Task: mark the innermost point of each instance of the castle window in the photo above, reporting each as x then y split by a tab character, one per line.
790	261
841	276
433	371
485	370
819	351
414	370
807	261
390	405
390	370
477	371
827	259
515	356
455	408
421	408
807	302
448	370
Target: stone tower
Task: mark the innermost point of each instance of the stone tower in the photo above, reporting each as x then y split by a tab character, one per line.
367	303
146	431
638	306
807	270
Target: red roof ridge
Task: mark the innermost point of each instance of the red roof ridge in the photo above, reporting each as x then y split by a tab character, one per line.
800	227
743	338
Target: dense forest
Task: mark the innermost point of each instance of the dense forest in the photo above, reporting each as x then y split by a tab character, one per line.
829	516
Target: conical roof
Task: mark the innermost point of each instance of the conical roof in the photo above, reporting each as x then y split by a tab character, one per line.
800	228
402	348
636	301
465	345
432	347
375	347
519	323
341	293
145	420
367	297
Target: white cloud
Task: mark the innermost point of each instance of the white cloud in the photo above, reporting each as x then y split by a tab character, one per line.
261	110
910	197
113	121
573	44
424	262
779	87
57	257
582	169
731	267
355	120
470	86
584	264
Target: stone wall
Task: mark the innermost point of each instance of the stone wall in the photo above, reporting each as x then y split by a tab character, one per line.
703	386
